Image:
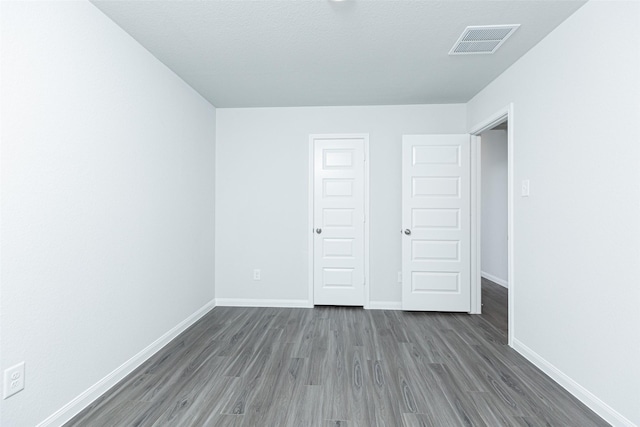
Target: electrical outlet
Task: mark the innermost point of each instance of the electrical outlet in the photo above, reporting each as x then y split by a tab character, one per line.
256	274
13	380
399	276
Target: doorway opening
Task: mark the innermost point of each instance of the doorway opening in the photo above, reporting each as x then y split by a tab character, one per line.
492	221
494	256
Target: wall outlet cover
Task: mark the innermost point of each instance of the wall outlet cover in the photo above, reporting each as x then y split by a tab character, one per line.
13	380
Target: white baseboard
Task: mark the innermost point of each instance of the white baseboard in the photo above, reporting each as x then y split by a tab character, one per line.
293	303
242	302
87	397
385	305
495	279
585	396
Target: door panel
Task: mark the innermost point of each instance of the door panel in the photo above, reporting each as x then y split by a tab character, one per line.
436	244
338	258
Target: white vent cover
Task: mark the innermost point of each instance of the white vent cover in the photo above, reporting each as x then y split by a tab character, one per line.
482	39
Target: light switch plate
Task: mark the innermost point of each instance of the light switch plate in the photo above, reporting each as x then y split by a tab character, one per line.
525	188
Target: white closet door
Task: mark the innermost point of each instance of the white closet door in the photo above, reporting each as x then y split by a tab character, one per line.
436	260
338	261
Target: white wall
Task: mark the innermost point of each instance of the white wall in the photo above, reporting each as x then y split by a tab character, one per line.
494	206
576	99
107	191
262	193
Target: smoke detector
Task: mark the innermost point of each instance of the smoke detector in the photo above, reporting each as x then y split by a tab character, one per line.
482	39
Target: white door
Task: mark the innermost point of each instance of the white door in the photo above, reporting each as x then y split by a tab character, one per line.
436	235
338	220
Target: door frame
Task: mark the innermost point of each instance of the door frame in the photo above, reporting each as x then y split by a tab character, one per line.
504	114
310	229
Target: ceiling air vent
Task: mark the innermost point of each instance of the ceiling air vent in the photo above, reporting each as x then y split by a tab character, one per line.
482	39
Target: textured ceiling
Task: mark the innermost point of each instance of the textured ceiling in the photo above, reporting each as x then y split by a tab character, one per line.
269	53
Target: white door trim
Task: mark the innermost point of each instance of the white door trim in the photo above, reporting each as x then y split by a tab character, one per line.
476	191
310	227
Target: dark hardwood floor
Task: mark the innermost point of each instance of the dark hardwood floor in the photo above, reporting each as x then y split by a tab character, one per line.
338	366
495	303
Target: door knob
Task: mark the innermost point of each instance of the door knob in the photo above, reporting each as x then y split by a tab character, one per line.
407	232
318	230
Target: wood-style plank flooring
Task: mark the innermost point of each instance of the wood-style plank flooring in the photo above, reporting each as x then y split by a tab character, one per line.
495	303
338	366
